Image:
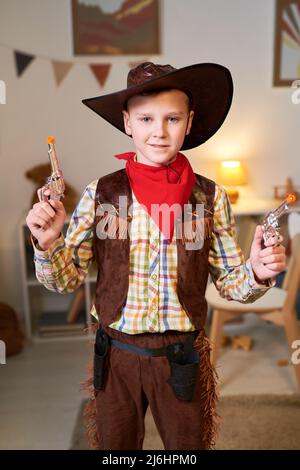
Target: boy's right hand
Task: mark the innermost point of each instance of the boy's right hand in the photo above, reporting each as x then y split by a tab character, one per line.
46	220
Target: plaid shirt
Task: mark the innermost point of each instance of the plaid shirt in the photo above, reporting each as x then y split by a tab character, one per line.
152	303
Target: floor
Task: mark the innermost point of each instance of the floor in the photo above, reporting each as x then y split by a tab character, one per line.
40	388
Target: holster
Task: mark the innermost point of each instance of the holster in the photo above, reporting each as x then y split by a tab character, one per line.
100	358
184	365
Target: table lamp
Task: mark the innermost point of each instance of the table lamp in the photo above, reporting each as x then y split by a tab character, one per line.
231	174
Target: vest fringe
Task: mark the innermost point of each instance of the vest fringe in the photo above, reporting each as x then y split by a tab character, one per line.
90	410
210	396
113	226
196	230
208	226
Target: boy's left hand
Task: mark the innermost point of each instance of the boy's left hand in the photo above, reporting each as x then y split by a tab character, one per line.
267	262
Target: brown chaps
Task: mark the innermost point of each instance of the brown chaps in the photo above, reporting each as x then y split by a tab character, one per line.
133	382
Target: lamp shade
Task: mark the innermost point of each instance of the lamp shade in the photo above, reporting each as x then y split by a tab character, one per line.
231	173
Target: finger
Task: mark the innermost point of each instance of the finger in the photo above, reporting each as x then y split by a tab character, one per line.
258	235
276	267
40	223
275	258
266	252
47	207
43	193
57	206
276	250
42	213
271	250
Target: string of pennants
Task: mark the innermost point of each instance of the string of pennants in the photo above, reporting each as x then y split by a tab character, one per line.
61	68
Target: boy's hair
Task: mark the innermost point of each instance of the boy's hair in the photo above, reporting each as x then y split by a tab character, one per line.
156	91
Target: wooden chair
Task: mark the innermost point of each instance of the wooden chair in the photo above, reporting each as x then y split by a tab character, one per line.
278	305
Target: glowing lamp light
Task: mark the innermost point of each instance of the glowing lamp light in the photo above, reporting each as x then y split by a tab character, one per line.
231	173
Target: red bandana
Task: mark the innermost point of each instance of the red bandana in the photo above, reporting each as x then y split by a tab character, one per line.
166	184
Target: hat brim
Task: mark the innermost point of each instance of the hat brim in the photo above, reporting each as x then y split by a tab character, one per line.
210	85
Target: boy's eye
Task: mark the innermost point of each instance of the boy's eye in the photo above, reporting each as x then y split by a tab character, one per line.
148	119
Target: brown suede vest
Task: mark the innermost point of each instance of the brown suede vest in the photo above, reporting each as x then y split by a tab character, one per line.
112	254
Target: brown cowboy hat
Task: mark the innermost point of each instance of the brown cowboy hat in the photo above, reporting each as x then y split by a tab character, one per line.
209	87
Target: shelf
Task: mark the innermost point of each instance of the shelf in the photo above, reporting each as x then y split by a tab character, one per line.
55	324
48	314
50	319
33	282
61	333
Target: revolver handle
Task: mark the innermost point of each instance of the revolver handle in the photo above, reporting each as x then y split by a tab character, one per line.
53	193
268	233
41	194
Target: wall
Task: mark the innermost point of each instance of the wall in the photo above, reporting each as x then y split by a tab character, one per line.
261	126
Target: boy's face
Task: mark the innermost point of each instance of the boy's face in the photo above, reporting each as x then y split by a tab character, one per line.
158	124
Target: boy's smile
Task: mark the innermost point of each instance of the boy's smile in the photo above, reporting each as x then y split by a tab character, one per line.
158	124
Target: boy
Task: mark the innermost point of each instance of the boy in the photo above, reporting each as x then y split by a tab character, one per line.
151	347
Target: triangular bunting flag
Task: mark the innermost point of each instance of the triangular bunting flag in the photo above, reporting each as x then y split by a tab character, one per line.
101	72
60	70
22	61
134	64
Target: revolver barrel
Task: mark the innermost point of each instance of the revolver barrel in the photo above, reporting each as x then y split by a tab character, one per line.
270	223
55	181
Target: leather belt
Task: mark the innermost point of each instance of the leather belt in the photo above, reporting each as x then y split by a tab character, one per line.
184	347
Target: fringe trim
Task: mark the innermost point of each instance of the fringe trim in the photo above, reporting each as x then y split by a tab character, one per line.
112	224
196	230
210	396
90	410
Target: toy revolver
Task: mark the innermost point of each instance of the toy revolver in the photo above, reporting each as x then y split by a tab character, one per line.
55	183
270	223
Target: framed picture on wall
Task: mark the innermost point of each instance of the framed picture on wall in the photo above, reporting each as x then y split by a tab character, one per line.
287	42
116	27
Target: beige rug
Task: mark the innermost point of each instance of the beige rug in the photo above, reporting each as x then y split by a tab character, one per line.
256	422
